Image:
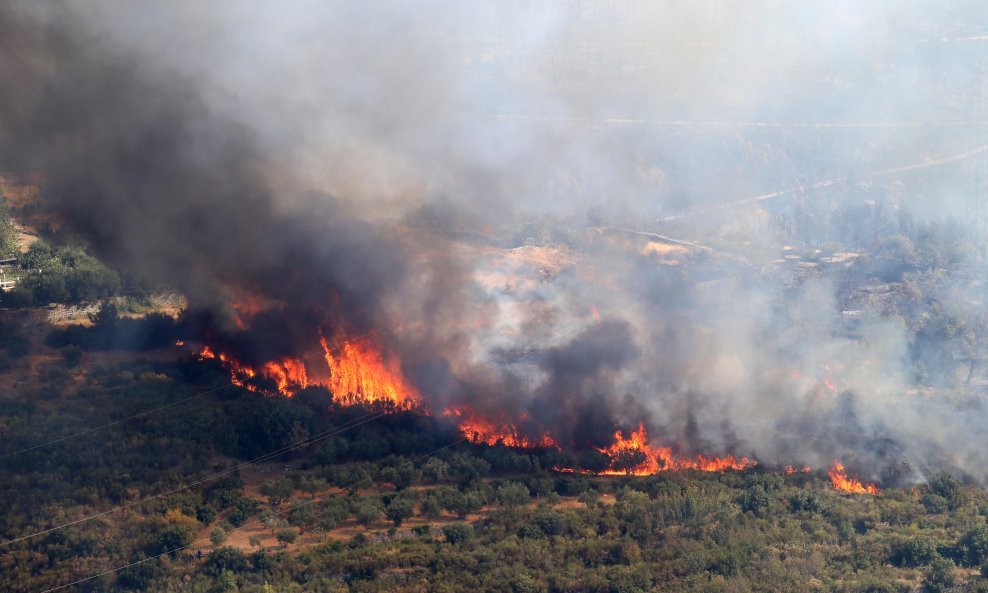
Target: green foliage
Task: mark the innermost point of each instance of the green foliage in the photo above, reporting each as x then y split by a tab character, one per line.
224	559
219	534
934	503
550	522
205	513
950	489
912	552
277	491
457	533
430	507
402	475
435	470
170	539
8	234
755	500
513	495
399	509
351	478
368	510
64	274
973	546
939	576
678	531
243	509
287	536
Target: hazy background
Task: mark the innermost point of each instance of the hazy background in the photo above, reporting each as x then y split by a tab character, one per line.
332	156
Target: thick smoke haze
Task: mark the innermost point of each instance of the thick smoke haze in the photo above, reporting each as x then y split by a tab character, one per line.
368	166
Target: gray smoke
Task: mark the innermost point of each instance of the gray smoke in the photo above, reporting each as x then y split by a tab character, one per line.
367	167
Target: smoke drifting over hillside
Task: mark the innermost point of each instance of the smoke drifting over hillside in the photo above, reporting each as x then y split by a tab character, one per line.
343	167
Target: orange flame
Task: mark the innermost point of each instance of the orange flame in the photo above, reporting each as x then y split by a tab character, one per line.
845	484
240	375
359	374
481	430
790	470
289	375
639	458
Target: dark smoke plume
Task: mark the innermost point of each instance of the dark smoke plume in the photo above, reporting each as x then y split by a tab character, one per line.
365	168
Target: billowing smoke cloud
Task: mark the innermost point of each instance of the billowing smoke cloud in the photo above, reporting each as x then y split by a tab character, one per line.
366	167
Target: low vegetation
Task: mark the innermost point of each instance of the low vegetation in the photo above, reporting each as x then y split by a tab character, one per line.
377	508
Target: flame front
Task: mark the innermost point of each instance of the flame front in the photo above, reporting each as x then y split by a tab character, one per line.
635	456
357	374
482	430
360	374
288	375
845	484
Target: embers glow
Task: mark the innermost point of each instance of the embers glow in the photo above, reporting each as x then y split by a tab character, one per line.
634	455
791	469
482	430
845	484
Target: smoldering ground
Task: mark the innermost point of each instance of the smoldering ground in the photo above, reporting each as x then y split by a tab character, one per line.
327	160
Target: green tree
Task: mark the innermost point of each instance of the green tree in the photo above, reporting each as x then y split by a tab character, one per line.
399	509
457	533
435	470
287	536
463	504
513	495
224	558
368	511
277	491
312	486
939	576
973	546
351	479
402	475
430	507
8	234
219	534
913	552
949	488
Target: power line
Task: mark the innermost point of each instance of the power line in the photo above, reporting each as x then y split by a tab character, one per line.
252	522
115	422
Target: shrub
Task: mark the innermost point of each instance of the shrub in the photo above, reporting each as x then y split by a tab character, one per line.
457	533
939	576
913	552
